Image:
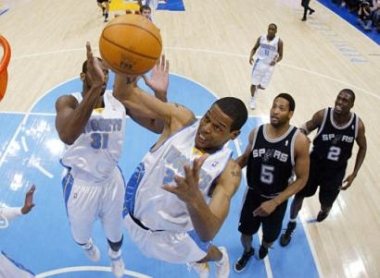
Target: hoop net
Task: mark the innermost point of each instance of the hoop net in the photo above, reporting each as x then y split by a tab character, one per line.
4	65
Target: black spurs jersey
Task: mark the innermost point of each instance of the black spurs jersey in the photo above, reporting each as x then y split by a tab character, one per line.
271	162
334	143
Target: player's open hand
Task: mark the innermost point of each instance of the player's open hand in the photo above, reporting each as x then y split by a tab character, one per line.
159	79
187	188
347	182
28	204
94	71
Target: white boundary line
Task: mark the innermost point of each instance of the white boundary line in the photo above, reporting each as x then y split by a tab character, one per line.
87	268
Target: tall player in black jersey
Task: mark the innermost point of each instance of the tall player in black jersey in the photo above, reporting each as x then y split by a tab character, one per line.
338	129
275	151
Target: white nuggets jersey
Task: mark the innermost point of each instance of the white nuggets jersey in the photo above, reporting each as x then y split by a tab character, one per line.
268	50
96	152
156	208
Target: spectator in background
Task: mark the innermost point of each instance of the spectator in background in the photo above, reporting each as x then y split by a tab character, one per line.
375	9
352	5
365	15
153	4
146	11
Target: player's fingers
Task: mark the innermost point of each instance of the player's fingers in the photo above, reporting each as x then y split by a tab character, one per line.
162	62
169	188
190	174
32	189
198	162
167	66
89	51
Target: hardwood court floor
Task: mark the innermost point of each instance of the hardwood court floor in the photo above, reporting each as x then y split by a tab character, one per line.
210	43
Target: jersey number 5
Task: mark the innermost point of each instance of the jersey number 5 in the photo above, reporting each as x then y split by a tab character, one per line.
267	174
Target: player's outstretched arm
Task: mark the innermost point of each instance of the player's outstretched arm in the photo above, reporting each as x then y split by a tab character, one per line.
243	158
9	213
72	117
143	104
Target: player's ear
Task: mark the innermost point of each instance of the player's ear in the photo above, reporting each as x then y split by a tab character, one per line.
235	134
82	76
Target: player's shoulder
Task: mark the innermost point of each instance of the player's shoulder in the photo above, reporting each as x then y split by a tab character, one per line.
67	100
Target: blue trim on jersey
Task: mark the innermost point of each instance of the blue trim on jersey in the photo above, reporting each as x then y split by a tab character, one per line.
131	189
122	175
18	265
204	245
67	185
255	65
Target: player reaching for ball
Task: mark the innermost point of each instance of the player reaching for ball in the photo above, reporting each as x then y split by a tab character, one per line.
179	195
91	123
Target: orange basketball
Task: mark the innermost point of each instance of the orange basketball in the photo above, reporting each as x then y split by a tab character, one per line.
130	44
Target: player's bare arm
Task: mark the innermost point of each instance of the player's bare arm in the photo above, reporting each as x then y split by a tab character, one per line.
361	140
243	158
253	51
280	51
147	105
313	123
72	117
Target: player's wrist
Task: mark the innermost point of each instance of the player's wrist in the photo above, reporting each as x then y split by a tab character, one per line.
276	202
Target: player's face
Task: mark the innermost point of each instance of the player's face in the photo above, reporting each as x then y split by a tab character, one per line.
214	130
280	113
146	13
272	30
343	103
106	76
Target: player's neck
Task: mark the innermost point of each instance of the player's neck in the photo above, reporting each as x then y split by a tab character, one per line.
277	131
341	120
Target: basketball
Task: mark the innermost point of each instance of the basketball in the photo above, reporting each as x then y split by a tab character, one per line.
130	44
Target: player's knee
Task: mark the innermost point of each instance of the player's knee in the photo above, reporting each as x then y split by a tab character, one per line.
115	246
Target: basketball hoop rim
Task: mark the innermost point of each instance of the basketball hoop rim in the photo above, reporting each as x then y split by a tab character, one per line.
7	54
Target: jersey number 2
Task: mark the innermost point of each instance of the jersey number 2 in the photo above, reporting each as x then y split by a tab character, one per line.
333	154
